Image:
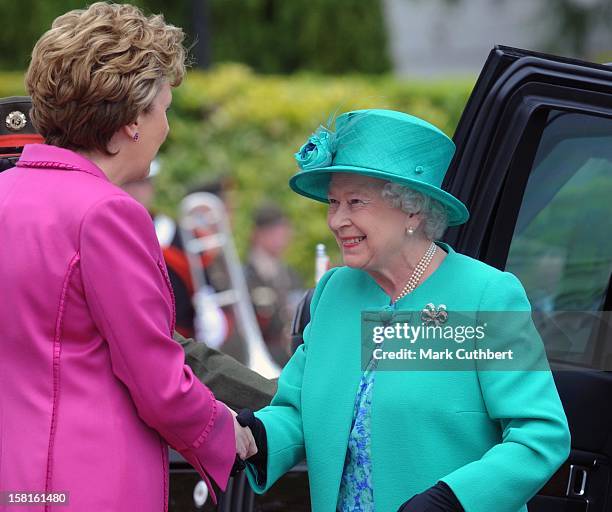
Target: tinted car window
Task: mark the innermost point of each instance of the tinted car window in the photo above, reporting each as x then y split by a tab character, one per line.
562	244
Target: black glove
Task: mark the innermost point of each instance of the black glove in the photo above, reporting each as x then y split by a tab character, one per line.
246	418
238	466
439	498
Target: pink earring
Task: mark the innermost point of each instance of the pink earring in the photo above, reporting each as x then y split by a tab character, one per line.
136	136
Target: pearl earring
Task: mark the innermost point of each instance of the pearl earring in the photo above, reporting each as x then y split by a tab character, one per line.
410	231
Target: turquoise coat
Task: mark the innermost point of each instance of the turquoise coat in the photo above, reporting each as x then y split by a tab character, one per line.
495	437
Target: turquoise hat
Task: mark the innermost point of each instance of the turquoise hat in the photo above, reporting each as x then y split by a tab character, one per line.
383	144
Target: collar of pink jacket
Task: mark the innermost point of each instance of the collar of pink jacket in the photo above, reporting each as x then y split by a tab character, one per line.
52	157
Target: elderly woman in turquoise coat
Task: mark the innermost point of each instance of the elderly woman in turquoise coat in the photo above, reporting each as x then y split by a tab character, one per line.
470	437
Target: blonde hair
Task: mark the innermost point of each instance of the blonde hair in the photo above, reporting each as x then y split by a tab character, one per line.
97	69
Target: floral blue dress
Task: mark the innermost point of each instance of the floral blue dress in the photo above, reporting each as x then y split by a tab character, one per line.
356	493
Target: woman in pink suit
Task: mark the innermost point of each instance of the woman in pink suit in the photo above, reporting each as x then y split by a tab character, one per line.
92	386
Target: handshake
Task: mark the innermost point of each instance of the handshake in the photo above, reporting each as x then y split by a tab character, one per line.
250	440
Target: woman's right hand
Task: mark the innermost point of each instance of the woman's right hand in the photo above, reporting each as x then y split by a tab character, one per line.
245	444
260	460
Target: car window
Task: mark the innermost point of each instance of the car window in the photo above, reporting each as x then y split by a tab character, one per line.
561	248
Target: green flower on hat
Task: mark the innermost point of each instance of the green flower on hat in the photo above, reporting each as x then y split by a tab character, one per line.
318	151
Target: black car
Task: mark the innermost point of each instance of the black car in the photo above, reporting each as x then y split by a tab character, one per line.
534	166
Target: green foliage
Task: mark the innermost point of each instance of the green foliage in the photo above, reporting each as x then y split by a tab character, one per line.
276	36
11	84
231	121
271	36
23	22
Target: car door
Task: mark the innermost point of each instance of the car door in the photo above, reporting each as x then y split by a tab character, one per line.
534	166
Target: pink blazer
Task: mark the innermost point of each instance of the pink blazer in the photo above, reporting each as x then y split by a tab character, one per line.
92	386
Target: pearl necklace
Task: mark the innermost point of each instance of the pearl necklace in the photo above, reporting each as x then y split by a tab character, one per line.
418	271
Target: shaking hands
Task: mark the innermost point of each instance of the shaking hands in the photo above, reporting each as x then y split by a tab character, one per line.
245	443
251	443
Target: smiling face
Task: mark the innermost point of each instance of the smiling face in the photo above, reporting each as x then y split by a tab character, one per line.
369	231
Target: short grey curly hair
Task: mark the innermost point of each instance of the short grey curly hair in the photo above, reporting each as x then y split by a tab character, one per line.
410	201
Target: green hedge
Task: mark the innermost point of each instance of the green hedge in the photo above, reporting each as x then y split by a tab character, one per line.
280	36
271	36
230	121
